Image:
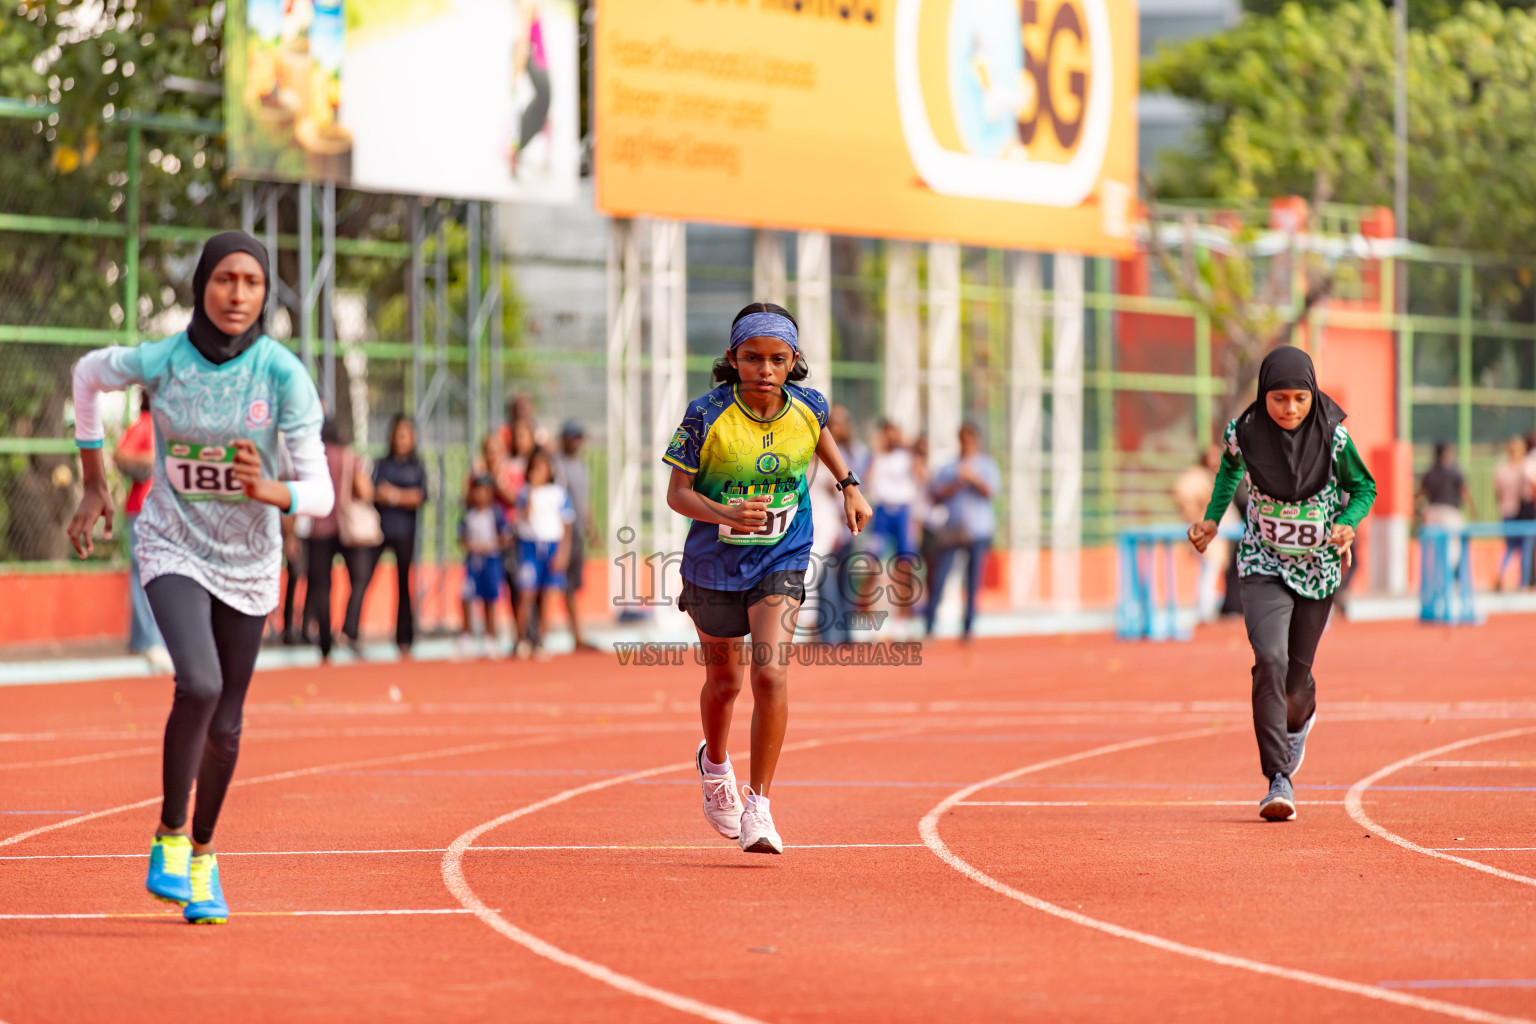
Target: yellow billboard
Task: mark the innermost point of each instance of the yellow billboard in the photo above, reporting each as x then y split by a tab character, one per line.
1007	123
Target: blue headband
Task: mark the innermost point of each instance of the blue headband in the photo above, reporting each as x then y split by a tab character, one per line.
765	325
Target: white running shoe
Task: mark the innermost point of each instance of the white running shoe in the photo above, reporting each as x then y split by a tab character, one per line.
757	832
1298	745
722	804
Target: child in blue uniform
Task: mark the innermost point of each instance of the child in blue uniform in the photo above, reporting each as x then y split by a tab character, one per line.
483	534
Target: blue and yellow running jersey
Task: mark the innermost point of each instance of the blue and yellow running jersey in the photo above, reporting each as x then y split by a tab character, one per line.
731	454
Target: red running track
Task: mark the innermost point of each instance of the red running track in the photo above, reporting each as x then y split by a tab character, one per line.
1058	829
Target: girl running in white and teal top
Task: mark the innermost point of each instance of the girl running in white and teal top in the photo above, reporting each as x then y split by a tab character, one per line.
209	543
1308	493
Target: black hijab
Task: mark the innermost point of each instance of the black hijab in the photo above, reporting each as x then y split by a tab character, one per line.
1291	465
216	346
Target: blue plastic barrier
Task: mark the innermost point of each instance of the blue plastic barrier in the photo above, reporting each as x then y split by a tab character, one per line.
1445	594
1146	554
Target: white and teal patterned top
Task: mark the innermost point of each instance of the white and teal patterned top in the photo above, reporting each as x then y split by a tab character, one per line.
1290	540
196	520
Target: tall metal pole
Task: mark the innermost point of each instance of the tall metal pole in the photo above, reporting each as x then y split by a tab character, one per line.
474	323
327	285
496	393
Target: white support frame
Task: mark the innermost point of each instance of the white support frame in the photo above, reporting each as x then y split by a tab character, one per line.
770	276
903	339
813	294
1026	440
623	378
669	370
944	396
1067	431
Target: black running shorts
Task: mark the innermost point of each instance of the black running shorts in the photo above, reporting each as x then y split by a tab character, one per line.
723	613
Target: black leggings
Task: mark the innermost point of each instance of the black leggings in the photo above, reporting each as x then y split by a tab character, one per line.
404	549
322	554
1284	629
213	648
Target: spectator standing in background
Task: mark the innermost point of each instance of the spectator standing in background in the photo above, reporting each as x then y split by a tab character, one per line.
1191	491
892	489
484	535
545	521
1442	491
1530	477
1512	489
135	458
831	544
965	521
399	491
351	483
571	473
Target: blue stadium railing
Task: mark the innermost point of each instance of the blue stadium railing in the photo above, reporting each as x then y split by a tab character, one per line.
1445	583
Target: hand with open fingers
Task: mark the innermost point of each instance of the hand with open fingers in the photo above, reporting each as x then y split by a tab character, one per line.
1342	537
247	465
95	503
856	509
1202	533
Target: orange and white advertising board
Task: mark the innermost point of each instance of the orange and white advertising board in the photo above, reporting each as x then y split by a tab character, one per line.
1006	123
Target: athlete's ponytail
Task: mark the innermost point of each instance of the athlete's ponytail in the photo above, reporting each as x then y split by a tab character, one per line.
725	373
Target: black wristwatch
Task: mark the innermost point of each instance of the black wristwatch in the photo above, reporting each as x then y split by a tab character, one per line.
848	481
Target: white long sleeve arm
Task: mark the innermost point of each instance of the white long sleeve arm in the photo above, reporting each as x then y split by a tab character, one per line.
106	369
313	493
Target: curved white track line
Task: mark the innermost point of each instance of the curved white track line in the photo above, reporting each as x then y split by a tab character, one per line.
929	829
476	748
1354	804
453	877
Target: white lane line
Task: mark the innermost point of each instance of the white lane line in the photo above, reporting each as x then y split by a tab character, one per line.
723	846
476	748
60	762
1127	803
1487	849
458	885
243	913
1354	804
929	829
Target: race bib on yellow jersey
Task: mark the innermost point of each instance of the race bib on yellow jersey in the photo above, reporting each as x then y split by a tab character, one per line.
202	472
781	513
1292	528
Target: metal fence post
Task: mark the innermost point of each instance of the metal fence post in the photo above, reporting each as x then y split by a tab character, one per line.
131	238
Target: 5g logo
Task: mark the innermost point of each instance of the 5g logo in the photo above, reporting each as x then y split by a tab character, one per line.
1066	26
1031	96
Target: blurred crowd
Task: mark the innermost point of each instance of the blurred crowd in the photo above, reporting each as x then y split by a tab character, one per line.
927	519
522	517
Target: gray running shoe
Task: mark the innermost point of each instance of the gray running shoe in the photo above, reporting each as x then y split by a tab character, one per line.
1280	803
1298	741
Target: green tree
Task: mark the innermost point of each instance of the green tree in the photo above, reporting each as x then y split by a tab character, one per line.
1301	101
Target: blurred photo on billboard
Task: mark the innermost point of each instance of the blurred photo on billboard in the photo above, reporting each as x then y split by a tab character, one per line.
464	98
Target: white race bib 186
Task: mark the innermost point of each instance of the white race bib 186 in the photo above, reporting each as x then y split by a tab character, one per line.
781	513
1292	529
202	472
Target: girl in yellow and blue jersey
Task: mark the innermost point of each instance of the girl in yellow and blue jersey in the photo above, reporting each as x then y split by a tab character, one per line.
740	465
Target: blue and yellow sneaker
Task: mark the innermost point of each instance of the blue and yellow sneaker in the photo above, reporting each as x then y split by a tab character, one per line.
169	875
207	906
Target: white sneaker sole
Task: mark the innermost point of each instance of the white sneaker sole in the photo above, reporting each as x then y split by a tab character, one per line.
763	844
1279	809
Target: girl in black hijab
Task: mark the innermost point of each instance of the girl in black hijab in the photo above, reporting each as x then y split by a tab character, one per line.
226	399
1309	490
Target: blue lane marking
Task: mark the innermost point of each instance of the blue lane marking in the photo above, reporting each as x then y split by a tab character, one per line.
1461	983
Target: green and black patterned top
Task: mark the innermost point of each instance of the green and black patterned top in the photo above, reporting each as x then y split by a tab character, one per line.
1291	540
